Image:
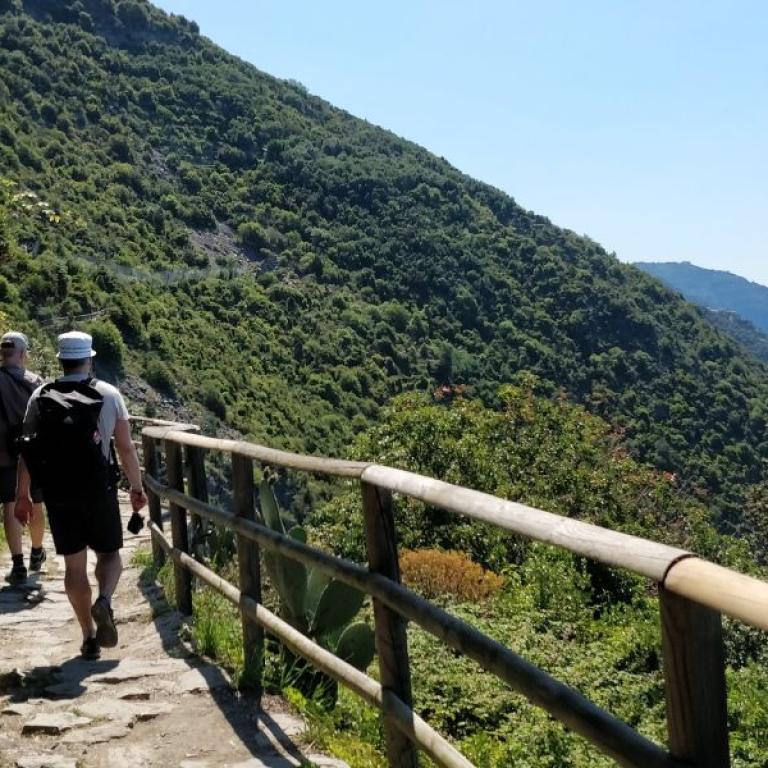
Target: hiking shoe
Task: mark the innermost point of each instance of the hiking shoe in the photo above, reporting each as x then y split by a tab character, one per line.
106	631
36	561
90	650
17	575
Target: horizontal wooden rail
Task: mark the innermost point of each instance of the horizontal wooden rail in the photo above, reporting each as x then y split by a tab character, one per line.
734	594
440	750
610	547
725	591
316	464
613	736
151	421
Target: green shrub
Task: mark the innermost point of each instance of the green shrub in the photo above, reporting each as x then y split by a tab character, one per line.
159	375
213	400
108	344
252	234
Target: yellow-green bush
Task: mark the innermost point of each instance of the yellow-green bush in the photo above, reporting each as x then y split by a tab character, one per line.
434	573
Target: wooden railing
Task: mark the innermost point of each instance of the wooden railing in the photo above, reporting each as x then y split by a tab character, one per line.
693	594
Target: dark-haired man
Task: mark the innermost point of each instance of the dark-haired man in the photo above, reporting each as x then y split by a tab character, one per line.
16	386
69	427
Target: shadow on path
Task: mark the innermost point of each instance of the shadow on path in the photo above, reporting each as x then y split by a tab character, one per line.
257	730
21	597
59	681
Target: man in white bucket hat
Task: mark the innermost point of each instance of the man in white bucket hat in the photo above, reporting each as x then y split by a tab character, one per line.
69	429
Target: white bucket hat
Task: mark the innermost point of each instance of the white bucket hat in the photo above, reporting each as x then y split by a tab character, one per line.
75	345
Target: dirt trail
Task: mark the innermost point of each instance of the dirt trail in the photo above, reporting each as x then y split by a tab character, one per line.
148	702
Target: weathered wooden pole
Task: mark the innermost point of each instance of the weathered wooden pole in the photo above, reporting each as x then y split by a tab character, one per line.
198	487
179	534
153	500
391	638
249	567
694	678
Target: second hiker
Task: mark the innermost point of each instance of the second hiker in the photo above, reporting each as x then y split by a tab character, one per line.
69	429
16	386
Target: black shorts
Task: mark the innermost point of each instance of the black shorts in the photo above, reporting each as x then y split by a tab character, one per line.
8	486
93	523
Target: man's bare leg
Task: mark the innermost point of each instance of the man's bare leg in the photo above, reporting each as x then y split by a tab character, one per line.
109	566
37	526
78	590
13	529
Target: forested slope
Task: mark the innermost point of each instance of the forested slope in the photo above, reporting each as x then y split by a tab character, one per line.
291	267
754	340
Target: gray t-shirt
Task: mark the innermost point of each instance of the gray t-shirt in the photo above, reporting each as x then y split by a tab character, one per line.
113	408
16	386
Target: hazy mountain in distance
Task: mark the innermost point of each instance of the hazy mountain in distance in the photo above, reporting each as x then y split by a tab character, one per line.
714	289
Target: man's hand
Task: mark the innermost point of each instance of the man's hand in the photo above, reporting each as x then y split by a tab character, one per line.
138	499
23	509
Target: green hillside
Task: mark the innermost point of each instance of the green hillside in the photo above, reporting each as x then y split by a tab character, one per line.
290	268
754	340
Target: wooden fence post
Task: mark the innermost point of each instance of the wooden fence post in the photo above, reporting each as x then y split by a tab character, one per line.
694	678
391	639
250	575
179	534
153	500
198	487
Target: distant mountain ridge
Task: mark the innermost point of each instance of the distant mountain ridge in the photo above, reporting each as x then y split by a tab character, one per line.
714	289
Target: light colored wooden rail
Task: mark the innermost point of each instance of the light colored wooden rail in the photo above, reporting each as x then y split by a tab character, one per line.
316	464
152	421
692	591
735	594
647	558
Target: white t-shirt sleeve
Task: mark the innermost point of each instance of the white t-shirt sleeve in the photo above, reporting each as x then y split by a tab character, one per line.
121	409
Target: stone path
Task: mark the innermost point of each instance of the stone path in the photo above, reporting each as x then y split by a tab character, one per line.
148	702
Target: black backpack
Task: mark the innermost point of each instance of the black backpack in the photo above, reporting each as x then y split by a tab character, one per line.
65	456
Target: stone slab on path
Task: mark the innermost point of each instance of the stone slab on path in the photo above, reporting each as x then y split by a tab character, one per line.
124	711
135	669
97	735
268	761
46	760
53	723
206	678
147	703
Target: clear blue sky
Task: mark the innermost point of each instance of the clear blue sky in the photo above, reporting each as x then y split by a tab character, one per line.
641	124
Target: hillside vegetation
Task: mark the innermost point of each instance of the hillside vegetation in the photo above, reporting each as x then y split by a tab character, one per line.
290	268
753	340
